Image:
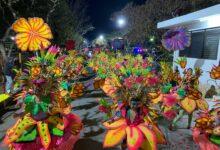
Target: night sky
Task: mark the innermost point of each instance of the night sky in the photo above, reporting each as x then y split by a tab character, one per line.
100	12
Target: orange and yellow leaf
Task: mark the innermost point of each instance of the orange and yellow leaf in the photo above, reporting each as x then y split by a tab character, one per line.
134	137
18	129
115	124
44	133
158	99
114	137
202	104
159	135
56	121
151	139
189	105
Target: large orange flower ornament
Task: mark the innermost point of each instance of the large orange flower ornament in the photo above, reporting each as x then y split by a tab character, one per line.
32	34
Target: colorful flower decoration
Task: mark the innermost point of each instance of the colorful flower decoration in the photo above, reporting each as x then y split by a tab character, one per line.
47	89
176	39
215	72
32	34
206	132
131	117
182	61
4	97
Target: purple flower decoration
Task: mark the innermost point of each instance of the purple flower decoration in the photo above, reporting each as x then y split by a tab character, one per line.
176	39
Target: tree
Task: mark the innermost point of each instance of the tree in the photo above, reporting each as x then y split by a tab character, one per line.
70	21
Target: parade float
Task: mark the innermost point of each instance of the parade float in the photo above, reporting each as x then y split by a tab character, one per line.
48	85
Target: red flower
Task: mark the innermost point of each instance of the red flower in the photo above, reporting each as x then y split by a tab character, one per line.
170	114
128	82
118	66
103	109
70	45
139	79
144	65
152	80
169	100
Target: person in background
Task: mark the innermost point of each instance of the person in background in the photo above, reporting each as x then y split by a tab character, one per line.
8	72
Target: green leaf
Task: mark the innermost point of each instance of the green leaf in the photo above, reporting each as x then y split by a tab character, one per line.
103	102
35	109
57	132
45	99
215	139
29	99
28	108
64	85
166	88
44	106
181	92
28	136
145	71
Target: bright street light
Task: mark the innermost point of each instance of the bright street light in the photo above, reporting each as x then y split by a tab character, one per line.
152	38
101	37
121	22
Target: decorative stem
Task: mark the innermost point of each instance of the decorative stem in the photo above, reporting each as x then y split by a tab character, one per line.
178	117
190	116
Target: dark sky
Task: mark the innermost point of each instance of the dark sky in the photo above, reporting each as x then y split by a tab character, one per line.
100	12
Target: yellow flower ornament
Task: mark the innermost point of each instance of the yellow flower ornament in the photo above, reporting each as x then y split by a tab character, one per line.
32	34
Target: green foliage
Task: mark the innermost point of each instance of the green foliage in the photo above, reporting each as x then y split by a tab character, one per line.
181	92
64	85
29	99
103	102
28	136
56	131
35	107
70	21
166	88
215	139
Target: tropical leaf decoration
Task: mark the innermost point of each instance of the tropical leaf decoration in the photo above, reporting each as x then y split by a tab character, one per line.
194	100
44	134
77	90
137	136
28	136
98	83
132	83
17	130
4	97
207	127
215	72
48	84
182	61
56	122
